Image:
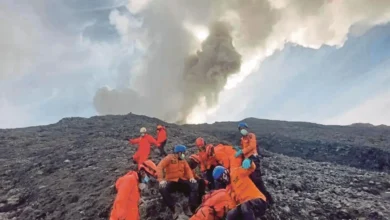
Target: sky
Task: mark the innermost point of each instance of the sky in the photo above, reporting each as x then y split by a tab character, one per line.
319	61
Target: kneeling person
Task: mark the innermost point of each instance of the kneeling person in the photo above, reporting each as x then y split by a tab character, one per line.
126	201
178	178
251	202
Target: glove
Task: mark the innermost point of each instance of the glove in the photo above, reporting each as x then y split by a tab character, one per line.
192	180
237	148
238	153
246	163
163	184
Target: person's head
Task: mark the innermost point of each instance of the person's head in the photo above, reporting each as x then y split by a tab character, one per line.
221	174
179	151
159	127
201	144
142	131
146	170
194	161
243	128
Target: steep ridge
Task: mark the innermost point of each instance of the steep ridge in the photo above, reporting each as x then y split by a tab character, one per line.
67	171
360	145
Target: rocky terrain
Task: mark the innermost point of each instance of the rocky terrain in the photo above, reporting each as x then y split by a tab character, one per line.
67	170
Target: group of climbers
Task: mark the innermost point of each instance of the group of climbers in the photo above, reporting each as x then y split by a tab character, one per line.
144	142
231	174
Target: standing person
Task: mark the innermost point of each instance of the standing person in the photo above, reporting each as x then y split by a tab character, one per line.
249	151
207	163
125	205
251	202
178	178
144	142
162	139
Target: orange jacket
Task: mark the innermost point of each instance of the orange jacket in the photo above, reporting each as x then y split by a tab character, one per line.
144	143
174	168
125	205
206	161
161	135
215	205
242	186
249	145
224	155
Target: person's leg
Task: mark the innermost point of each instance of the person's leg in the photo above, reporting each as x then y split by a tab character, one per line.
257	179
258	207
247	211
166	194
201	190
191	190
162	151
234	214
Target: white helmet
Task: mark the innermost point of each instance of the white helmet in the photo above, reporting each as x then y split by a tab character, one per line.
142	130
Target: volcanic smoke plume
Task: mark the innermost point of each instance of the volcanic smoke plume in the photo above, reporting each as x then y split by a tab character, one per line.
172	78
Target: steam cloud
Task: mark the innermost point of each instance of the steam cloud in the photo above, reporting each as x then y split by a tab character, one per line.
170	81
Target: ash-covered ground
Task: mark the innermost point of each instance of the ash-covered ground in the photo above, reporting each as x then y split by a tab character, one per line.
67	170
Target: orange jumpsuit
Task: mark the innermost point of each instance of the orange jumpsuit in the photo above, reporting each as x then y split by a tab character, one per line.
215	205
143	151
161	135
175	169
224	155
126	201
242	186
249	145
206	162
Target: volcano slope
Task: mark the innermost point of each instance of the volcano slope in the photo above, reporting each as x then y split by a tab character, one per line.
67	170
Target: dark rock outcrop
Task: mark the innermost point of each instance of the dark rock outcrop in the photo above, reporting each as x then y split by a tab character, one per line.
67	170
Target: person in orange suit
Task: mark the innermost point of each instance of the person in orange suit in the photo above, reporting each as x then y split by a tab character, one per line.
249	151
215	205
251	202
162	139
225	156
178	178
144	142
207	163
194	162
125	205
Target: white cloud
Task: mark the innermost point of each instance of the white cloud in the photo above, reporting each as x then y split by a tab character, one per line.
374	110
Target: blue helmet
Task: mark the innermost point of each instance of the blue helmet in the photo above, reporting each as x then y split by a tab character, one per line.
218	171
180	149
242	125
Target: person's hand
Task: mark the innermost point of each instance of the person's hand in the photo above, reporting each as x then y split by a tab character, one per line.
163	184
246	163
192	180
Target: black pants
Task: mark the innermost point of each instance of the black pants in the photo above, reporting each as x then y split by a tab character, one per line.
258	180
209	177
249	210
201	191
189	189
162	151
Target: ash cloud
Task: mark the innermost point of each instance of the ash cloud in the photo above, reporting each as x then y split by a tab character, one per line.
171	78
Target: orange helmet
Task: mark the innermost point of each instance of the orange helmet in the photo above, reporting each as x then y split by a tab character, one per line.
209	150
199	142
149	167
159	127
195	158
